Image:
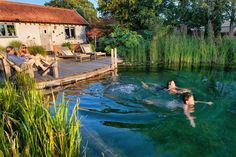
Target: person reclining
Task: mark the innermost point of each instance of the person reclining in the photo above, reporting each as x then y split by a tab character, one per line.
24	52
21	61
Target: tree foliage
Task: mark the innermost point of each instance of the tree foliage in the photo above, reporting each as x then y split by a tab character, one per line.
133	14
83	7
121	38
141	14
194	13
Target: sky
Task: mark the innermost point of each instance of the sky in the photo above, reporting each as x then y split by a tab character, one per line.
41	2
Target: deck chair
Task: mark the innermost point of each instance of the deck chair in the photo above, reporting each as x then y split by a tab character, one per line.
7	65
67	53
86	49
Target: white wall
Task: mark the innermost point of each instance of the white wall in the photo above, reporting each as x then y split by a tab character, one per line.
58	34
29	34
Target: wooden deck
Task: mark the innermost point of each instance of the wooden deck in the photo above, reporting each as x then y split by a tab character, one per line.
71	71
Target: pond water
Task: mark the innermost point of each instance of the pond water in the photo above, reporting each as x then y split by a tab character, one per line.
117	118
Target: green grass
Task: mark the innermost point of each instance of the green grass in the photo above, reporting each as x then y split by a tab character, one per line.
29	128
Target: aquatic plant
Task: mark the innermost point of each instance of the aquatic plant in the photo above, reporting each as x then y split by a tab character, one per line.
29	128
183	50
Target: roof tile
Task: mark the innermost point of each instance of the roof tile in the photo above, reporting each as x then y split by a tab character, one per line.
22	12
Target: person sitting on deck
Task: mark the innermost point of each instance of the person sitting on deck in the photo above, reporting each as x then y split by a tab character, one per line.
24	52
171	87
188	107
23	61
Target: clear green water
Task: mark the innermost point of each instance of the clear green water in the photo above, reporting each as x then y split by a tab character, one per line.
117	121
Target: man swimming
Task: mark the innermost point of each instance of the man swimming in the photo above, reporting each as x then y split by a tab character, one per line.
188	107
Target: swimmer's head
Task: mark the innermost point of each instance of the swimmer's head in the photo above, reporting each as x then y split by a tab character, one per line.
171	84
188	99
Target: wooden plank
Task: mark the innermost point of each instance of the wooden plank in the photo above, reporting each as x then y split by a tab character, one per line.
72	79
112	58
7	68
115	57
55	70
71	71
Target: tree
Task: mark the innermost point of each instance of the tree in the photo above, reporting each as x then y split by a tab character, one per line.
188	12
133	14
217	15
70	4
194	13
84	7
231	15
167	12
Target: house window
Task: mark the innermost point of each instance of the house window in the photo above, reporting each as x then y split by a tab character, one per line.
70	32
7	30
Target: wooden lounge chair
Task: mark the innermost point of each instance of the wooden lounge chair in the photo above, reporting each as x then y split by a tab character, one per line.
86	48
67	53
7	65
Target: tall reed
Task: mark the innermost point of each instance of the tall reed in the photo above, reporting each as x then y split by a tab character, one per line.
29	128
185	50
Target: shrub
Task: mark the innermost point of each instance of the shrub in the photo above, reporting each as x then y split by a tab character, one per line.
37	50
92	46
121	38
2	49
16	44
67	44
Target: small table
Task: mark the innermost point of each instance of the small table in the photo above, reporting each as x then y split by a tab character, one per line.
92	54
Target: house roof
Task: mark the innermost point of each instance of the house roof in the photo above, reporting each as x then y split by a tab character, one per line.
22	12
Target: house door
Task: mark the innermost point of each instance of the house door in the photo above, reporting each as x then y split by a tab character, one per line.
46	37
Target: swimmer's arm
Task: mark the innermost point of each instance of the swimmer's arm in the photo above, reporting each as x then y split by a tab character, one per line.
190	118
204	102
147	85
182	90
144	84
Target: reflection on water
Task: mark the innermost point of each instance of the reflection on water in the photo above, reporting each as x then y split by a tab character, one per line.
118	119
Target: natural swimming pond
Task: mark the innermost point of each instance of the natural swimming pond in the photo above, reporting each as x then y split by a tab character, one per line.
116	119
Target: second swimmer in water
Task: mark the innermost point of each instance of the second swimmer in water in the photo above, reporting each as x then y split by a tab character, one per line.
171	87
188	107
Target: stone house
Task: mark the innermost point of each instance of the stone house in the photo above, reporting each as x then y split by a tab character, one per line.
40	25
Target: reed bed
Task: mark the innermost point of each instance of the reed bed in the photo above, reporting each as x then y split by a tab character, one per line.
135	54
29	128
185	50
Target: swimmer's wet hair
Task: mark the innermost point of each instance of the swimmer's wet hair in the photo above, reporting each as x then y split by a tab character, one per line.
168	83
186	97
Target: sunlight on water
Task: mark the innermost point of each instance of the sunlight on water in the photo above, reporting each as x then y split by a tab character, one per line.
123	118
125	89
